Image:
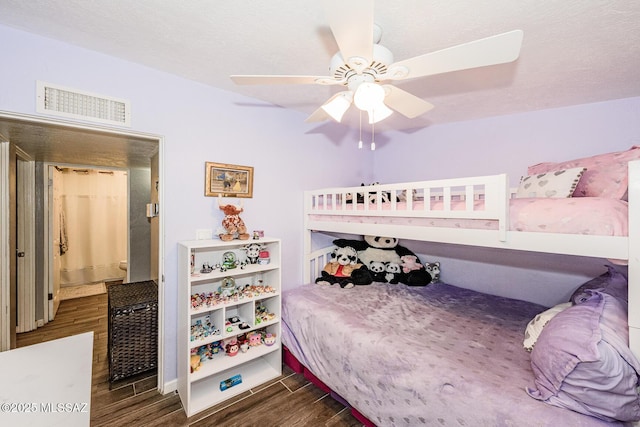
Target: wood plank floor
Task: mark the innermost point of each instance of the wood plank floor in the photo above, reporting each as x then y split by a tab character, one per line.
290	400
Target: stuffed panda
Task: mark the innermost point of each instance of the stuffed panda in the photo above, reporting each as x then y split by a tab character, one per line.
393	273
377	270
344	269
387	250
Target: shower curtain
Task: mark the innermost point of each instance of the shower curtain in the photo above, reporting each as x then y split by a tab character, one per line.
93	232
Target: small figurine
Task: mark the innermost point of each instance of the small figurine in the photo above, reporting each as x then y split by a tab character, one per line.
263	257
206	268
228	287
253	251
255	339
232	349
269	339
195	363
228	261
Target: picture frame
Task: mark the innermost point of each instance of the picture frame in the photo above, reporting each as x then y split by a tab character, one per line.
227	180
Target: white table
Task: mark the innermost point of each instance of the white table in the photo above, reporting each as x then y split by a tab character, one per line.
47	384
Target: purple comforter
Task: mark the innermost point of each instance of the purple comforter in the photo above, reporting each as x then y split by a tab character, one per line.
411	356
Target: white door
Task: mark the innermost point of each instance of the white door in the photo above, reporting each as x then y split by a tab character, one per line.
56	231
25	241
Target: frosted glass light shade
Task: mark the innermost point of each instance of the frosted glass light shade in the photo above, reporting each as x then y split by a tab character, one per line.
368	96
337	106
379	113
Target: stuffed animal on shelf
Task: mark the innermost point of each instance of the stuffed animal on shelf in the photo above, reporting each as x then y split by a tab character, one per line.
253	251
232	223
386	250
344	269
195	363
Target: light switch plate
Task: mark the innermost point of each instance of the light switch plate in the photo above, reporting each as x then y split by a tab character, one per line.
204	234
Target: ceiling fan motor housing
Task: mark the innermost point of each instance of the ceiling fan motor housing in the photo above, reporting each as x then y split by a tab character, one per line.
343	70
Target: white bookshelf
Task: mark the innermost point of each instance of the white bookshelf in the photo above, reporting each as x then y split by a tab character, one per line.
257	286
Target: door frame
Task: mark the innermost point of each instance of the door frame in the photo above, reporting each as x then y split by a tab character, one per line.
5	252
5	258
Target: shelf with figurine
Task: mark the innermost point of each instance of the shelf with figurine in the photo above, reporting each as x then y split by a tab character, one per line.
243	259
227	294
229	309
239	320
223	354
218	274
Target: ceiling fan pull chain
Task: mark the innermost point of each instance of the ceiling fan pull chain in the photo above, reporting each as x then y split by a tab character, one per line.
360	140
373	133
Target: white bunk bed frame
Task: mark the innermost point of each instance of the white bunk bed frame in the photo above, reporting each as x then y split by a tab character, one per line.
495	191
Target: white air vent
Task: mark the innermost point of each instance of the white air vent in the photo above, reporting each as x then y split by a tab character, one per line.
75	104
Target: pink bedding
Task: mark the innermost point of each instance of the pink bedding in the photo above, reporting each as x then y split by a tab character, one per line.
577	215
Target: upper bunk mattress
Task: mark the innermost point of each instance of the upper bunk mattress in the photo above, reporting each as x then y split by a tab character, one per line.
577	215
411	356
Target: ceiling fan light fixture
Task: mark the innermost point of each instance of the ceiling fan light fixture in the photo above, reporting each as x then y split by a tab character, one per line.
379	113
368	96
338	106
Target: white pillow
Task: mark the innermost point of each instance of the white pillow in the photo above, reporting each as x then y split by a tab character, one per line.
558	184
535	326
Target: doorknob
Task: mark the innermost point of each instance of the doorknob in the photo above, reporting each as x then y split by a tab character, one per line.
20	254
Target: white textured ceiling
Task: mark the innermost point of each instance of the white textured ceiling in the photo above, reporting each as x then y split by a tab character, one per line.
574	51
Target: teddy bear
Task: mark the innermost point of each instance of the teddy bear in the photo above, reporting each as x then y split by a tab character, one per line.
344	269
387	250
410	263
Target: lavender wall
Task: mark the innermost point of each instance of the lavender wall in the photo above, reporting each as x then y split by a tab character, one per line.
508	144
198	124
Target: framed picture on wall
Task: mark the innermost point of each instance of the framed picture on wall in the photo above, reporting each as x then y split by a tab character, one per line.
228	180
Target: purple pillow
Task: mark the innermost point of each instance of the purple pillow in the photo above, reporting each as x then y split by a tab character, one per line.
612	282
582	361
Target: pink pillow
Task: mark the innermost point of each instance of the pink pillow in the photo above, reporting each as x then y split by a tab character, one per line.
606	175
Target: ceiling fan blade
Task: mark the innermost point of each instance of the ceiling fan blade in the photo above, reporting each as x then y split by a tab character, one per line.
284	80
405	103
352	25
498	49
317	116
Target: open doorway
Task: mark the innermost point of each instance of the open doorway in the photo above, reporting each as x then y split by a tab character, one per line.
56	142
88	206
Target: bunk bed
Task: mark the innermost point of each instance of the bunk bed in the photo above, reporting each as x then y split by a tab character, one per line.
443	355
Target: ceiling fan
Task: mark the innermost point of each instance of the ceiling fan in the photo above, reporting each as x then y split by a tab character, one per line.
363	65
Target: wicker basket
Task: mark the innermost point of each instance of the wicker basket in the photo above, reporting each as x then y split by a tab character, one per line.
133	329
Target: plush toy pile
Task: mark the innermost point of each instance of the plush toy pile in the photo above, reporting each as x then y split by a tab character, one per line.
344	269
386	261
